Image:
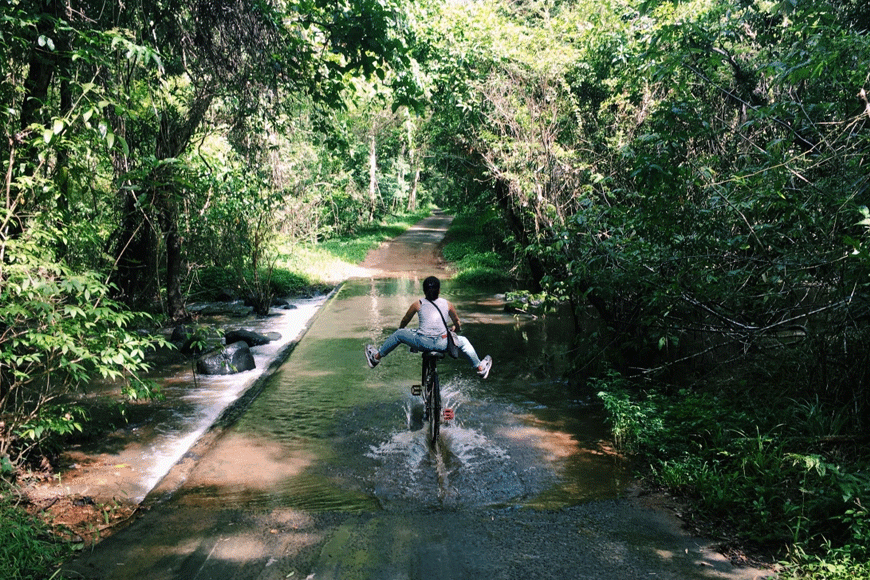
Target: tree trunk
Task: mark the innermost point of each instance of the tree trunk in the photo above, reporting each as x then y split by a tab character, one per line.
135	275
175	303
412	165
373	177
41	68
412	194
415	179
536	267
138	247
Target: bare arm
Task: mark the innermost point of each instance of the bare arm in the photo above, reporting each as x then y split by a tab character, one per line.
412	310
457	326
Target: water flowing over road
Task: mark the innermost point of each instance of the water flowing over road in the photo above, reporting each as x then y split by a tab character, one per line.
327	473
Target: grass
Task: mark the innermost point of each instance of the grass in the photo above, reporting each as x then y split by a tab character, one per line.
304	269
332	260
478	258
28	550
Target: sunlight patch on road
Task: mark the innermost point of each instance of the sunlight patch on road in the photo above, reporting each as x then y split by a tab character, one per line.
555	445
258	464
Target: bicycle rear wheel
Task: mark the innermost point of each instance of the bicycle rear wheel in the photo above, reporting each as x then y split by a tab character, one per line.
434	404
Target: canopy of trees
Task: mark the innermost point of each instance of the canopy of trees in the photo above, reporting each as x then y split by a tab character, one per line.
695	171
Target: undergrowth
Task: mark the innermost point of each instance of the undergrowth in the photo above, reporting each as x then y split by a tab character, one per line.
477	258
777	475
302	269
28	550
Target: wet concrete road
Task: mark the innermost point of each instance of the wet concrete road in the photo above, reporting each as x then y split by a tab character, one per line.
327	475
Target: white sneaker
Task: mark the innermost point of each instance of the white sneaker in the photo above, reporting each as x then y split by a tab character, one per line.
371	351
485	365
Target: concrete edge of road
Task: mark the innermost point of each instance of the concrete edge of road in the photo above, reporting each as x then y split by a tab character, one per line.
181	470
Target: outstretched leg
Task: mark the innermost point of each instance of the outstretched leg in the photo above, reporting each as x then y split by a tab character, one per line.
481	366
401	336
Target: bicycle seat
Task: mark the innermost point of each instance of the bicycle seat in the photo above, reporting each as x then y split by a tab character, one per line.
432	353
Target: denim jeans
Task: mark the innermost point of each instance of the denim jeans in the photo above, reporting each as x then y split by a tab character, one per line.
421	342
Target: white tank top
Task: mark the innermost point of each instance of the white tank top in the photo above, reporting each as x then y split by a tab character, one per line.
431	323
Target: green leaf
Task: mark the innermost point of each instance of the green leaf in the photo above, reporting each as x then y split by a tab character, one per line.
124	147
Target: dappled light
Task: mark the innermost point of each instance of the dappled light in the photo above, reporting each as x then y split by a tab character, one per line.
555	445
239	461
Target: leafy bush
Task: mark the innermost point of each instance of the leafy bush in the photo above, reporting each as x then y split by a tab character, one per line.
214	283
634	423
286	283
835	566
746	470
472	253
58	330
484	278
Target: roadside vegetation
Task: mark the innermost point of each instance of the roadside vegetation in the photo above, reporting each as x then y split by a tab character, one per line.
768	474
692	175
476	250
304	268
29	549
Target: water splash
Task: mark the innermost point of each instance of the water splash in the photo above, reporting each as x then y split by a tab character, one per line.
469	466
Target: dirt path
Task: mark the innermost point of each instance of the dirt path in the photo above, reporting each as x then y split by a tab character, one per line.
414	252
182	535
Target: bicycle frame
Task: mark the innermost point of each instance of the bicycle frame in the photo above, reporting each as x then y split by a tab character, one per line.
430	390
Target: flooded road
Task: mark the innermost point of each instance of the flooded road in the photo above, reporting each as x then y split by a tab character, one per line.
350	438
327	474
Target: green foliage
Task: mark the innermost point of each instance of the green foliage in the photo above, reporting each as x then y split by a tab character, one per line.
834	566
745	471
694	172
634	424
483	277
58	330
215	283
55	420
286	283
678	166
353	247
306	268
475	253
28	551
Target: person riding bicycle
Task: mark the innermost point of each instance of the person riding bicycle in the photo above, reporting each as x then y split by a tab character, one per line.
432	332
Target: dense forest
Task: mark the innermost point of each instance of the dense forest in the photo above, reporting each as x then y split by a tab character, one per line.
692	175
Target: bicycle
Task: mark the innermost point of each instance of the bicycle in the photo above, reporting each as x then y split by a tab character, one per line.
430	389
